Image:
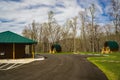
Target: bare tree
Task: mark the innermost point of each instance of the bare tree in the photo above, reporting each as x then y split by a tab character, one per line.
31	31
66	42
26	32
97	38
54	29
115	13
82	15
74	28
92	12
108	30
43	37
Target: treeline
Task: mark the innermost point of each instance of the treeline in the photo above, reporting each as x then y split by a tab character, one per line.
80	33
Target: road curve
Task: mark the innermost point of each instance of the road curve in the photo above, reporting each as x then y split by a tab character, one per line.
56	67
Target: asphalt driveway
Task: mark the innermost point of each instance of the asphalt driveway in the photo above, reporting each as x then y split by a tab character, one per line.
55	67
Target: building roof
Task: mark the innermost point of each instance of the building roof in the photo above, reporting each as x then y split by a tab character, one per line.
112	45
10	37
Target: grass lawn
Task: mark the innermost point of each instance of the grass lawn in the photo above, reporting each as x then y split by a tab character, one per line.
110	65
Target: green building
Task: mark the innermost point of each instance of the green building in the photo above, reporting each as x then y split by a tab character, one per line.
13	45
113	45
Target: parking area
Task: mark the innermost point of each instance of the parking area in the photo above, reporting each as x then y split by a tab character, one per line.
54	67
6	64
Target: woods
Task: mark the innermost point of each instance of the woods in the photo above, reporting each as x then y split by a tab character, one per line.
81	33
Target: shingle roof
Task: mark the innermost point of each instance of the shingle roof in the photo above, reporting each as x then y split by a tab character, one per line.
10	37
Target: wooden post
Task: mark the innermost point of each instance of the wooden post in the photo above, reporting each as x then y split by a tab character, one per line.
33	54
13	51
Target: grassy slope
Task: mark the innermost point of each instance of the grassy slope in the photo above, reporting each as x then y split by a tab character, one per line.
110	65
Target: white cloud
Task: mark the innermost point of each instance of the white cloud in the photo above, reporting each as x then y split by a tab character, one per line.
28	10
11	26
71	10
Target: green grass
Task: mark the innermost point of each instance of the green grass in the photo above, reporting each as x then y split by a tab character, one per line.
106	64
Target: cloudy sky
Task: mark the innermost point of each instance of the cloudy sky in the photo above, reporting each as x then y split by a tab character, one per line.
16	14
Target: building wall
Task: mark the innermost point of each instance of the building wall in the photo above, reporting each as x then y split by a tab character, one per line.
20	50
7	49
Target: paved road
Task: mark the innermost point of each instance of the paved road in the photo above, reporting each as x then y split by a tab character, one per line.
55	67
